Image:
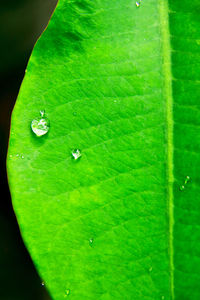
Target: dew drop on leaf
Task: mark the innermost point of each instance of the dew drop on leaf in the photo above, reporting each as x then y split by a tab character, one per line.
187	178
138	3
76	154
91	241
40	126
42	283
150	269
42	113
67	292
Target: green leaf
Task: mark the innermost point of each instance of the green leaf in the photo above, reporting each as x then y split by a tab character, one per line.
121	84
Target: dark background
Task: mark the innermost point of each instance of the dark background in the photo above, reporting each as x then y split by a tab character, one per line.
21	23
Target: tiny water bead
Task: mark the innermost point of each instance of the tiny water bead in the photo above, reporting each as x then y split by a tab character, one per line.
91	240
42	113
40	126
182	187
138	3
150	269
16	156
187	178
42	283
76	154
67	292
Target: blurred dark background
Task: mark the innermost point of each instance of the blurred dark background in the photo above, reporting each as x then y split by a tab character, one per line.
21	23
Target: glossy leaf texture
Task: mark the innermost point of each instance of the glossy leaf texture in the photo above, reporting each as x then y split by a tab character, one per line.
107	198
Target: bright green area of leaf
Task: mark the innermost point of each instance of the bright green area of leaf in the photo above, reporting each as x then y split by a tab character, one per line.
114	223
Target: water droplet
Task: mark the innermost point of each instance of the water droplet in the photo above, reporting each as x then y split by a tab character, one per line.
67	292
163	297
40	126
187	178
138	3
42	283
76	154
91	240
10	155
150	269
22	156
42	113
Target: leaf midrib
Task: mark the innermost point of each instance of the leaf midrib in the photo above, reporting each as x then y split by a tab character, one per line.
167	71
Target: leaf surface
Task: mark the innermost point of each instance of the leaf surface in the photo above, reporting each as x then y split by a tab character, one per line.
120	83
